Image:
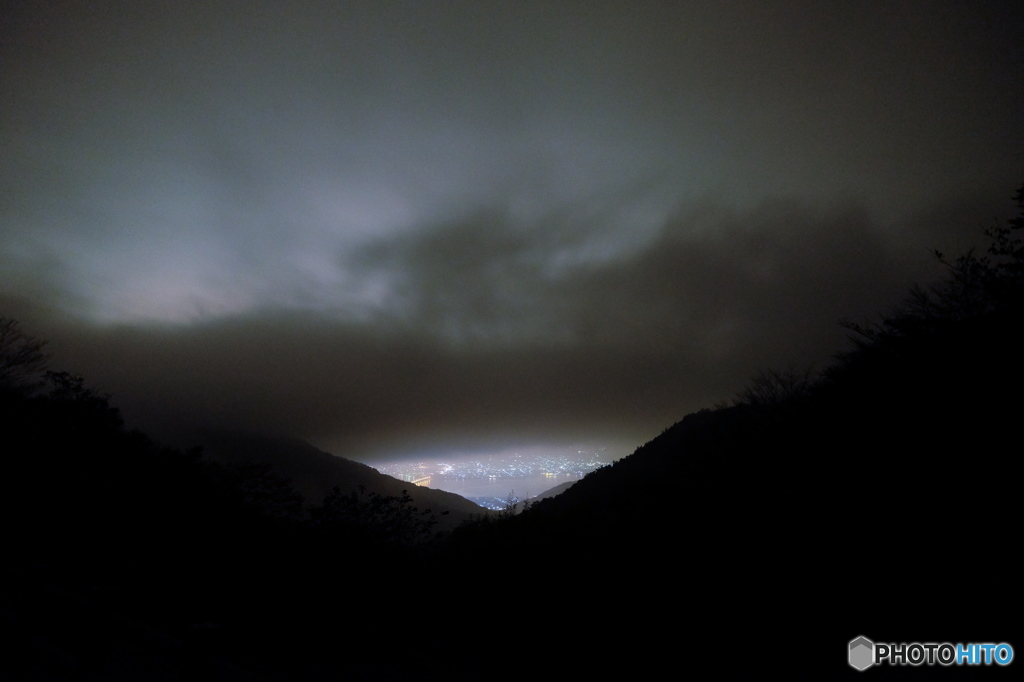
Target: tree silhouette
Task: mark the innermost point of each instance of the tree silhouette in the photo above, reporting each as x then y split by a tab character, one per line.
511	505
21	356
975	285
374	519
771	387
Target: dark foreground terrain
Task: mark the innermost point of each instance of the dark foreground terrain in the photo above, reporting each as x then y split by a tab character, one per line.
753	540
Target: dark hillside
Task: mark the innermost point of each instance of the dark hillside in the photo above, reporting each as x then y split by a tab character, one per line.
314	473
884	495
868	503
881	499
125	560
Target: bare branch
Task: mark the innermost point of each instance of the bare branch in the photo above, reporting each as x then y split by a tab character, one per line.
21	356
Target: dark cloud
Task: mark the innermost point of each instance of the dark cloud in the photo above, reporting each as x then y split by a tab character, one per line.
492	344
391	226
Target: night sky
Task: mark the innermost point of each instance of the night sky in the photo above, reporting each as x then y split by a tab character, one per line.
394	228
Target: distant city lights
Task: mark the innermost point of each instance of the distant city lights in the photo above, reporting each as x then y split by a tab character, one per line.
528	472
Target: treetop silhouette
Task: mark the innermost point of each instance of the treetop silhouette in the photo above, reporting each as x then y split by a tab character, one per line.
22	359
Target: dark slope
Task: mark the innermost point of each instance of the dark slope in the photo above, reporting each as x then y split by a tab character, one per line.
883	502
314	473
552	492
125	560
742	543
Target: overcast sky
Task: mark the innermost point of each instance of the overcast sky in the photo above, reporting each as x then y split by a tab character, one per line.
394	228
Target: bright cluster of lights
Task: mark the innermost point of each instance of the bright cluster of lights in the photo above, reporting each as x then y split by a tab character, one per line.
571	464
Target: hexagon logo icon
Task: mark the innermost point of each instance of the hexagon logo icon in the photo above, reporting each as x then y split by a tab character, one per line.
862	653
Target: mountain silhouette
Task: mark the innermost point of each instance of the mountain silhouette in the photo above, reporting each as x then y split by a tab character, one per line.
879	499
314	474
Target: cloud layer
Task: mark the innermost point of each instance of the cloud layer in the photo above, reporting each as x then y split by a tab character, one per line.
392	226
491	340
